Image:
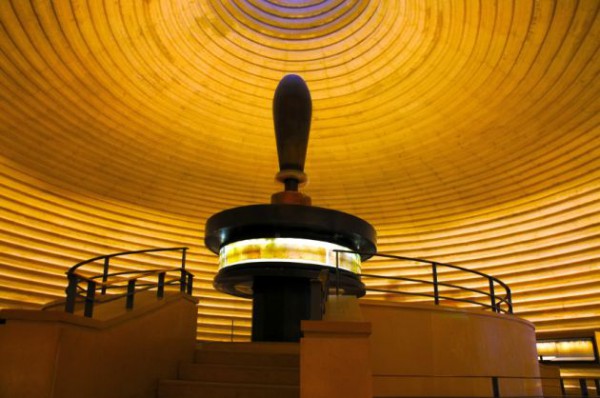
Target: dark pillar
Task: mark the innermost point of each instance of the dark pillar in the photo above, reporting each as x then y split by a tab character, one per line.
278	306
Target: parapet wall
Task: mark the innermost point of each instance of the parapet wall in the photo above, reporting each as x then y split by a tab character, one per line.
58	355
427	350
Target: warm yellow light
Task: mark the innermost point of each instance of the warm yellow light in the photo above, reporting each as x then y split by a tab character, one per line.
566	350
127	124
288	250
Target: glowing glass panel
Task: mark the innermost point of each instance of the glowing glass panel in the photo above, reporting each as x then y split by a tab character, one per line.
288	250
566	350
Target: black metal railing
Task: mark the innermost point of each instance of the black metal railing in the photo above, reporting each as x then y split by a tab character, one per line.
84	288
554	387
497	301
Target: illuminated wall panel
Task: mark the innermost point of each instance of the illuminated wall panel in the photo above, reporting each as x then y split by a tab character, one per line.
464	131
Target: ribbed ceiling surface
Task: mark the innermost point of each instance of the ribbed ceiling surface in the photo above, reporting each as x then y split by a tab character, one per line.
465	131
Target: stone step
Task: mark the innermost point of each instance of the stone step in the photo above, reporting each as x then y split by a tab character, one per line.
239	374
249	354
198	389
261	347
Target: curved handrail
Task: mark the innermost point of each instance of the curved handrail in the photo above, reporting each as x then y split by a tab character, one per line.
420	260
401	278
433	296
496	300
74	290
125	253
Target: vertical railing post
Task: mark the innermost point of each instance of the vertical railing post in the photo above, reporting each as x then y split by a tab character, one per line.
495	387
583	387
88	309
509	300
105	275
182	280
160	291
190	283
597	383
130	294
434	276
337	273
492	295
183	256
71	293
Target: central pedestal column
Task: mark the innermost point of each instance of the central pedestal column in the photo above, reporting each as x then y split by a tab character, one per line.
279	305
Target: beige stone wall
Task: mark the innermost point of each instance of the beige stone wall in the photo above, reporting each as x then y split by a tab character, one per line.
466	132
550	380
58	355
430	350
334	360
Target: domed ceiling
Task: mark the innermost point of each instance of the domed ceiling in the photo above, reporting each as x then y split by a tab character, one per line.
465	131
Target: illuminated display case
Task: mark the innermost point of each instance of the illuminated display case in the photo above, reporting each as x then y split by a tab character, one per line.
567	350
288	250
281	255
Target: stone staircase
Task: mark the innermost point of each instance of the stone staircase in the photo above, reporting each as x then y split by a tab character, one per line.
238	370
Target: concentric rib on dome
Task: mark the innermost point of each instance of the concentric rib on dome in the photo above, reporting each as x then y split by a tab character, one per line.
465	131
293	25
